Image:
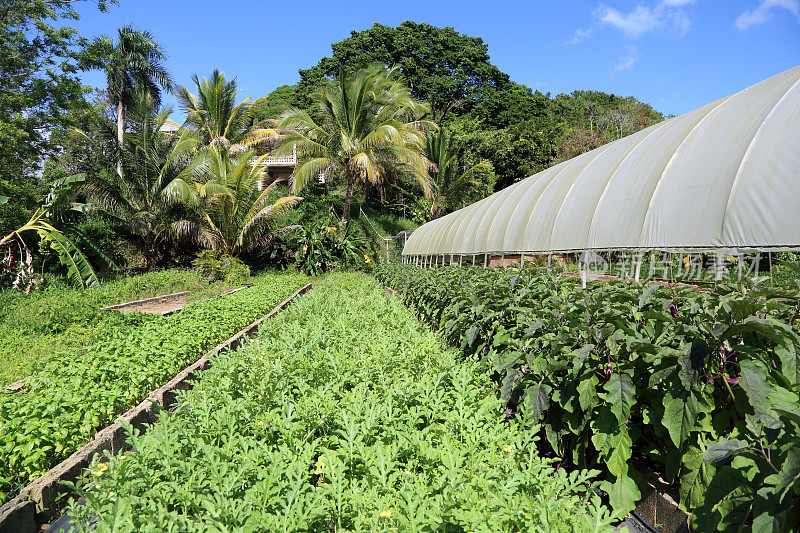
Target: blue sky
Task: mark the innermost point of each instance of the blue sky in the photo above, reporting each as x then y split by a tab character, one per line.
674	54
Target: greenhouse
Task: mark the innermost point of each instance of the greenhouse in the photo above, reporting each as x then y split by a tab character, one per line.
724	177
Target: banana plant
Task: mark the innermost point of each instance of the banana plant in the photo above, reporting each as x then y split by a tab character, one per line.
79	269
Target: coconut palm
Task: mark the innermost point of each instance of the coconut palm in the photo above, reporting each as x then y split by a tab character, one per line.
133	65
449	185
216	118
366	131
158	172
228	213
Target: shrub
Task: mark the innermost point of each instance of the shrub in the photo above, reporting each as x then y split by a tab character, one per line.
213	265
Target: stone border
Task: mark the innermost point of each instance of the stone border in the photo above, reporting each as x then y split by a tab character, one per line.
35	503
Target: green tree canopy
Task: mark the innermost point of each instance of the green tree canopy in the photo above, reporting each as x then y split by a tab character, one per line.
214	116
367	131
228	212
38	88
133	65
158	172
450	70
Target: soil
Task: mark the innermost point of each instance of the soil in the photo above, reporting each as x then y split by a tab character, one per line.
160	306
169	303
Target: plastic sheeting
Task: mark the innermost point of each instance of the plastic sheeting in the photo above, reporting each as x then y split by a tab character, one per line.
725	176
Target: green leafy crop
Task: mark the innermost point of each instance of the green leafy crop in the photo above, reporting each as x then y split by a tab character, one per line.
71	397
704	384
345	415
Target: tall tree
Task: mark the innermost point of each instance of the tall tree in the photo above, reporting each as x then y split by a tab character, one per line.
216	118
450	70
450	182
367	130
38	88
158	172
133	65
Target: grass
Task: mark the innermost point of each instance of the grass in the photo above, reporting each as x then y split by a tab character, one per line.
61	319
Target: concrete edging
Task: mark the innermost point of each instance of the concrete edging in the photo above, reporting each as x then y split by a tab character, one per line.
35	503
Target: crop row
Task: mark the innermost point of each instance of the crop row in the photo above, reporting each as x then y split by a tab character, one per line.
346	414
70	398
63	319
704	384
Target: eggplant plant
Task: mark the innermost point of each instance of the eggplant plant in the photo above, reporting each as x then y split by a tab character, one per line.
704	385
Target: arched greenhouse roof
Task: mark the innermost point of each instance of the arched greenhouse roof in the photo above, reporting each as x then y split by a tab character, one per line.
724	176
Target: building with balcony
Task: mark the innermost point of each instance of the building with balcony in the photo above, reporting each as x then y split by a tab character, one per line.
278	168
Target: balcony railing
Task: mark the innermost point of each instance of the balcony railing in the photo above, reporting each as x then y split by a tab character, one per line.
286	160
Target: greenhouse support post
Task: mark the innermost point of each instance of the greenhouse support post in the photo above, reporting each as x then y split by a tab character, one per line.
638	267
769	258
584	269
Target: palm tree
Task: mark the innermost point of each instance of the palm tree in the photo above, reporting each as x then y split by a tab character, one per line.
132	66
158	174
229	214
448	185
216	118
366	131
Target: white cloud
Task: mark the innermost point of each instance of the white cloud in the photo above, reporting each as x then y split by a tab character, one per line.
627	61
578	36
762	13
666	15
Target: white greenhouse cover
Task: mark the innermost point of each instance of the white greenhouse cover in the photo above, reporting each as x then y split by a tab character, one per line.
725	176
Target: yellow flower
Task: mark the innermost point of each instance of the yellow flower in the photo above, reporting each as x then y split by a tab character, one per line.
260	422
259	396
102	467
510	448
386	514
366	258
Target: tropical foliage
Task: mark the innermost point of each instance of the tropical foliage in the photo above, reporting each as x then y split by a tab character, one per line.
77	265
368	132
703	383
133	66
159	172
228	211
39	88
215	117
451	184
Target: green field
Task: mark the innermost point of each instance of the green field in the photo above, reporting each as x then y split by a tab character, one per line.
346	414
